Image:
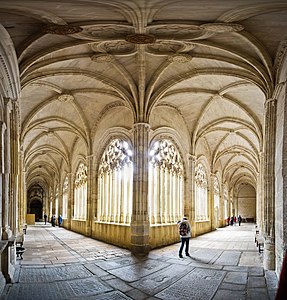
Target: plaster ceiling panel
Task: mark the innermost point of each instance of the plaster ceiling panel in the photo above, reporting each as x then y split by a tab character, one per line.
202	11
227	110
59	110
32	96
94	104
250	96
213	139
189	105
267	30
209	82
18	26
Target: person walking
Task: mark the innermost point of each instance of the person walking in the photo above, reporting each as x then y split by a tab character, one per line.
60	220
239	220
45	218
185	234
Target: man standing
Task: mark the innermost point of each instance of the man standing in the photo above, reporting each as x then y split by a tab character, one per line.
45	218
185	234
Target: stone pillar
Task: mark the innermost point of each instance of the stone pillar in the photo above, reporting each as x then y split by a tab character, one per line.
260	194
2	168
90	212
6	231
189	208
70	209
140	218
269	184
14	187
211	202
222	206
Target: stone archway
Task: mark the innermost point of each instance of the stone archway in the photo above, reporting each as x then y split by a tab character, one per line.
36	207
247	203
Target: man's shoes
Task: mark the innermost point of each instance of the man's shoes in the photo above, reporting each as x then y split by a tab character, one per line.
187	254
180	256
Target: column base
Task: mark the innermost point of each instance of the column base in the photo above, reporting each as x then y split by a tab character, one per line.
269	256
140	238
6	233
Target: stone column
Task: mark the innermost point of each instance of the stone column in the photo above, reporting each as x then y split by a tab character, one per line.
260	194
269	184
2	168
222	206
140	217
21	193
211	202
89	212
189	208
6	231
70	208
14	187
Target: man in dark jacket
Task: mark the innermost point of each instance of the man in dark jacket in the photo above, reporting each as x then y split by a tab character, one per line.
185	234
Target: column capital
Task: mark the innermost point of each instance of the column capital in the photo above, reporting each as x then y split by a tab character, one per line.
141	124
8	104
271	101
191	157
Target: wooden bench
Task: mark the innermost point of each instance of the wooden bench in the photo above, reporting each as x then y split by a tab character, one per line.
259	240
20	251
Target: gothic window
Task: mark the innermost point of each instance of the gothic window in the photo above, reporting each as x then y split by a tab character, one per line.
57	201
80	193
225	198
65	198
201	195
115	183
165	183
216	192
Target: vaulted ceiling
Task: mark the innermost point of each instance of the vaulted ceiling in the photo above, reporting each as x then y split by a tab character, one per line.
210	63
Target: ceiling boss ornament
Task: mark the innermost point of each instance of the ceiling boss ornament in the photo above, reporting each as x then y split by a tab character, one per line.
221	27
65	97
61	29
140	38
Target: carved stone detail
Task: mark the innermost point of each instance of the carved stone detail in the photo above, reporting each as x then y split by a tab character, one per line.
116	47
281	52
65	98
169	29
164	47
102	31
222	27
140	38
180	58
61	29
102	58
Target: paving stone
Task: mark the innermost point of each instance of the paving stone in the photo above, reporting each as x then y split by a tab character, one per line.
256	282
159	280
232	287
119	284
257	294
199	284
117	263
236	278
53	274
111	296
136	294
94	269
235	268
206	255
256	271
139	270
228	258
271	280
226	294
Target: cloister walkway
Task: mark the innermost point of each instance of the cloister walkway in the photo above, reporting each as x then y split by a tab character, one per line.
60	264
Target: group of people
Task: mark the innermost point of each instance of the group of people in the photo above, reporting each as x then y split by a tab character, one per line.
232	220
53	220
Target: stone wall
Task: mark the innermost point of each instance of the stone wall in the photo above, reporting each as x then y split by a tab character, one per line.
247	202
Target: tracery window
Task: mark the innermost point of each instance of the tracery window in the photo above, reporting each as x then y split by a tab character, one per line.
57	201
165	183
65	198
80	193
216	192
225	197
201	196
115	183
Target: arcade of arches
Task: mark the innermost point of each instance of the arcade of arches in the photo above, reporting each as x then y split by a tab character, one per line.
125	115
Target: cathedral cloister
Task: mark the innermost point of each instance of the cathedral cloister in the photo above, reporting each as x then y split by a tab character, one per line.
123	116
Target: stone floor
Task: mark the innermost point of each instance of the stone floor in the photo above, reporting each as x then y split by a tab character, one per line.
59	264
